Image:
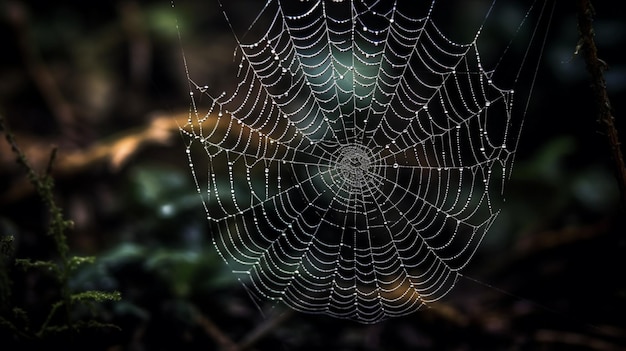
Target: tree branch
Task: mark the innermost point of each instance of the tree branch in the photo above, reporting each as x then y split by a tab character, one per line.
596	67
115	151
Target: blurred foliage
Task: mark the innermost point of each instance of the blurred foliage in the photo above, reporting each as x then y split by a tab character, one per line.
114	65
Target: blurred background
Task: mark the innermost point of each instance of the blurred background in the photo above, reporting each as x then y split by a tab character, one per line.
104	83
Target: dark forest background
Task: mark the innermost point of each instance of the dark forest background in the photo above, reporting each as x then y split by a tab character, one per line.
102	82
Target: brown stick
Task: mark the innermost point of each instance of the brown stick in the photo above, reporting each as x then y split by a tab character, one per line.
211	329
596	68
115	152
263	329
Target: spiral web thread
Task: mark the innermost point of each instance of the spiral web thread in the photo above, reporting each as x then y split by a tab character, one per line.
359	160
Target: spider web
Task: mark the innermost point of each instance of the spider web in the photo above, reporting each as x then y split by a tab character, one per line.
360	158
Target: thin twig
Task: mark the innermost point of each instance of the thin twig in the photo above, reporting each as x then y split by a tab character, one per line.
263	329
212	330
52	158
21	157
596	68
575	340
256	334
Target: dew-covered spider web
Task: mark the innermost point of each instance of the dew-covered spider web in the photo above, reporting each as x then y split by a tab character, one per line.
360	155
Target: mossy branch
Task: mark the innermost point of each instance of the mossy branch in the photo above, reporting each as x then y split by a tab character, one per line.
61	269
44	185
596	68
6	253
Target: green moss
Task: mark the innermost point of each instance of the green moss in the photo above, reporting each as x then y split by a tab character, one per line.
59	319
